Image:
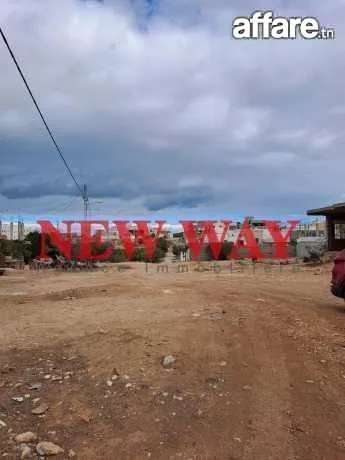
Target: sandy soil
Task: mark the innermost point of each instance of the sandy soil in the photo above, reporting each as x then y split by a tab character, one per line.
259	371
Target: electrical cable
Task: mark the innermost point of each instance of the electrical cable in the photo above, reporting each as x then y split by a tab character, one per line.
81	190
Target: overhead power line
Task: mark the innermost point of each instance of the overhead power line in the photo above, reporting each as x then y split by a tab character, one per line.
82	190
62	206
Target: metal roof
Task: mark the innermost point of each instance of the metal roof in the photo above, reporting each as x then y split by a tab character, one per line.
337	208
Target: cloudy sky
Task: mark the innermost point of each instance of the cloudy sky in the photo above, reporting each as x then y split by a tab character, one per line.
163	114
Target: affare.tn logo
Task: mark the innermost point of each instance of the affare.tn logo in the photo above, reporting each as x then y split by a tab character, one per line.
265	25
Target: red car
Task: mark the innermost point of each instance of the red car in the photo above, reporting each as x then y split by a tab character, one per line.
338	276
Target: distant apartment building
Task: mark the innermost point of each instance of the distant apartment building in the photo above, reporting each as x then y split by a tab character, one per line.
16	230
258	228
316	228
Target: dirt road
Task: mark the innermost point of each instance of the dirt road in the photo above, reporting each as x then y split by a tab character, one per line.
259	371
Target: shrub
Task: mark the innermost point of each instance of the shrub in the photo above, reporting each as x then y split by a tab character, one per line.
117	256
224	252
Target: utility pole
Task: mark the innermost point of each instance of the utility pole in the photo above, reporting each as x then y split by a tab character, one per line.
86	201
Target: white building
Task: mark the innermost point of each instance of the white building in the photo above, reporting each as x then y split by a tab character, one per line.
16	230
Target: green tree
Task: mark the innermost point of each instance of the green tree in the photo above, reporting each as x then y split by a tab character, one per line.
178	248
118	255
224	252
32	243
163	244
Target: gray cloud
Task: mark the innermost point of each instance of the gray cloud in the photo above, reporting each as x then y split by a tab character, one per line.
185	197
171	112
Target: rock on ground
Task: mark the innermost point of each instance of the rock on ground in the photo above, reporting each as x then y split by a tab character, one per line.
26	452
168	361
46	448
26	437
41	409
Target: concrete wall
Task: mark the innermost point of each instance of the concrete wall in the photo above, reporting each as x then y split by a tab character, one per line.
304	245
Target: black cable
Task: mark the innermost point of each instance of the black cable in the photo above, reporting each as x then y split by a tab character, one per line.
40	113
64	206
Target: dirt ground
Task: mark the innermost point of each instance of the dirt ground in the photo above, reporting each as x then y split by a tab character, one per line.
259	371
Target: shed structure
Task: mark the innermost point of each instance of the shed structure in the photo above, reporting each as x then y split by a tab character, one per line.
335	224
